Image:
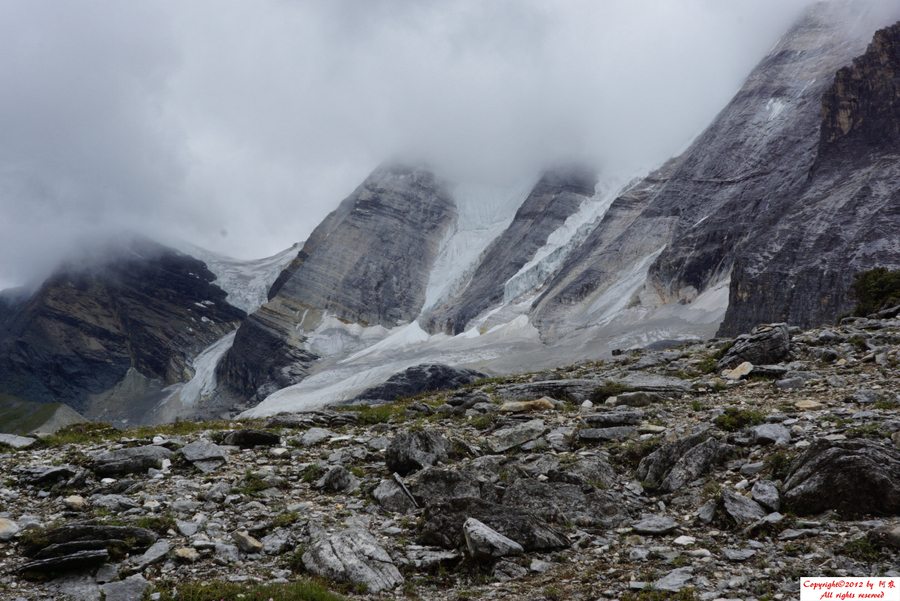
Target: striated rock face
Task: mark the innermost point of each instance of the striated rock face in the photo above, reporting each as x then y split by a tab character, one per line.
136	304
367	263
862	106
557	195
761	196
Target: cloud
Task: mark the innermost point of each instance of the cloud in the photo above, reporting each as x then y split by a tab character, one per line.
238	125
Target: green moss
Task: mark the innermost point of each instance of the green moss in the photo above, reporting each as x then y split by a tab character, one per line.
708	365
736	419
631	453
158	524
312	472
860	549
300	590
875	290
609	389
687	594
779	464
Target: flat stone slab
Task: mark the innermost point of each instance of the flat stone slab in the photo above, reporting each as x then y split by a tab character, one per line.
130	589
738	554
604	434
353	556
674	580
503	440
16	442
655	524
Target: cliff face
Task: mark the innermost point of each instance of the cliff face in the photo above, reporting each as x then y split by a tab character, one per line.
142	306
797	266
368	263
556	196
753	198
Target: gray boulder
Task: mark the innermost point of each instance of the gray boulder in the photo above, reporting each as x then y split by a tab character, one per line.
766	434
338	479
677	463
485	543
419	379
129	461
442	525
654	525
391	496
766	494
567	503
251	437
741	509
851	476
206	456
411	451
353	556
765	344
130	589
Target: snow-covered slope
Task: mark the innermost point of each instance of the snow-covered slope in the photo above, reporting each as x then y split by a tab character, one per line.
483	213
246	282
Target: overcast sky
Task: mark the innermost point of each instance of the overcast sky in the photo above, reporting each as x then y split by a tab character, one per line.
238	125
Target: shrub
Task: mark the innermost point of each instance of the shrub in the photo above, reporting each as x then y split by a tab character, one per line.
609	389
736	419
874	290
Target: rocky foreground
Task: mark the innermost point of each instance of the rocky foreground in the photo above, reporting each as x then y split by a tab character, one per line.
726	469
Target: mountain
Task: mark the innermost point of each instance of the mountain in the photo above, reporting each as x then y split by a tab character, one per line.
130	310
368	263
765	217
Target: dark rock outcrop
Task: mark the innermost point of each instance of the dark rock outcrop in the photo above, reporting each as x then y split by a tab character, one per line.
766	344
411	451
679	462
128	461
557	195
755	198
129	304
419	379
443	525
850	476
567	503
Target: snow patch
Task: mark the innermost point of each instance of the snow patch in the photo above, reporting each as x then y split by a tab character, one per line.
483	213
566	238
203	384
246	282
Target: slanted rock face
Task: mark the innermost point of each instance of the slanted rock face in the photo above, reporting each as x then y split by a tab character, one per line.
557	195
367	263
850	476
137	304
862	106
749	199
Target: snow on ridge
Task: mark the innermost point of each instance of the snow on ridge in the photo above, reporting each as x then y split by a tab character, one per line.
483	213
561	242
203	384
246	282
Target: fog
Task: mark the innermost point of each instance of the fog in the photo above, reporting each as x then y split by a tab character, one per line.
239	125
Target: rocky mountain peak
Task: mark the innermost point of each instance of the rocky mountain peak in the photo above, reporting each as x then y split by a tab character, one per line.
862	106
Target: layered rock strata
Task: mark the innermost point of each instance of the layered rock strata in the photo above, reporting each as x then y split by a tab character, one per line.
367	263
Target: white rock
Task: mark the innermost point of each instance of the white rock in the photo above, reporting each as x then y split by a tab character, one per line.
484	542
